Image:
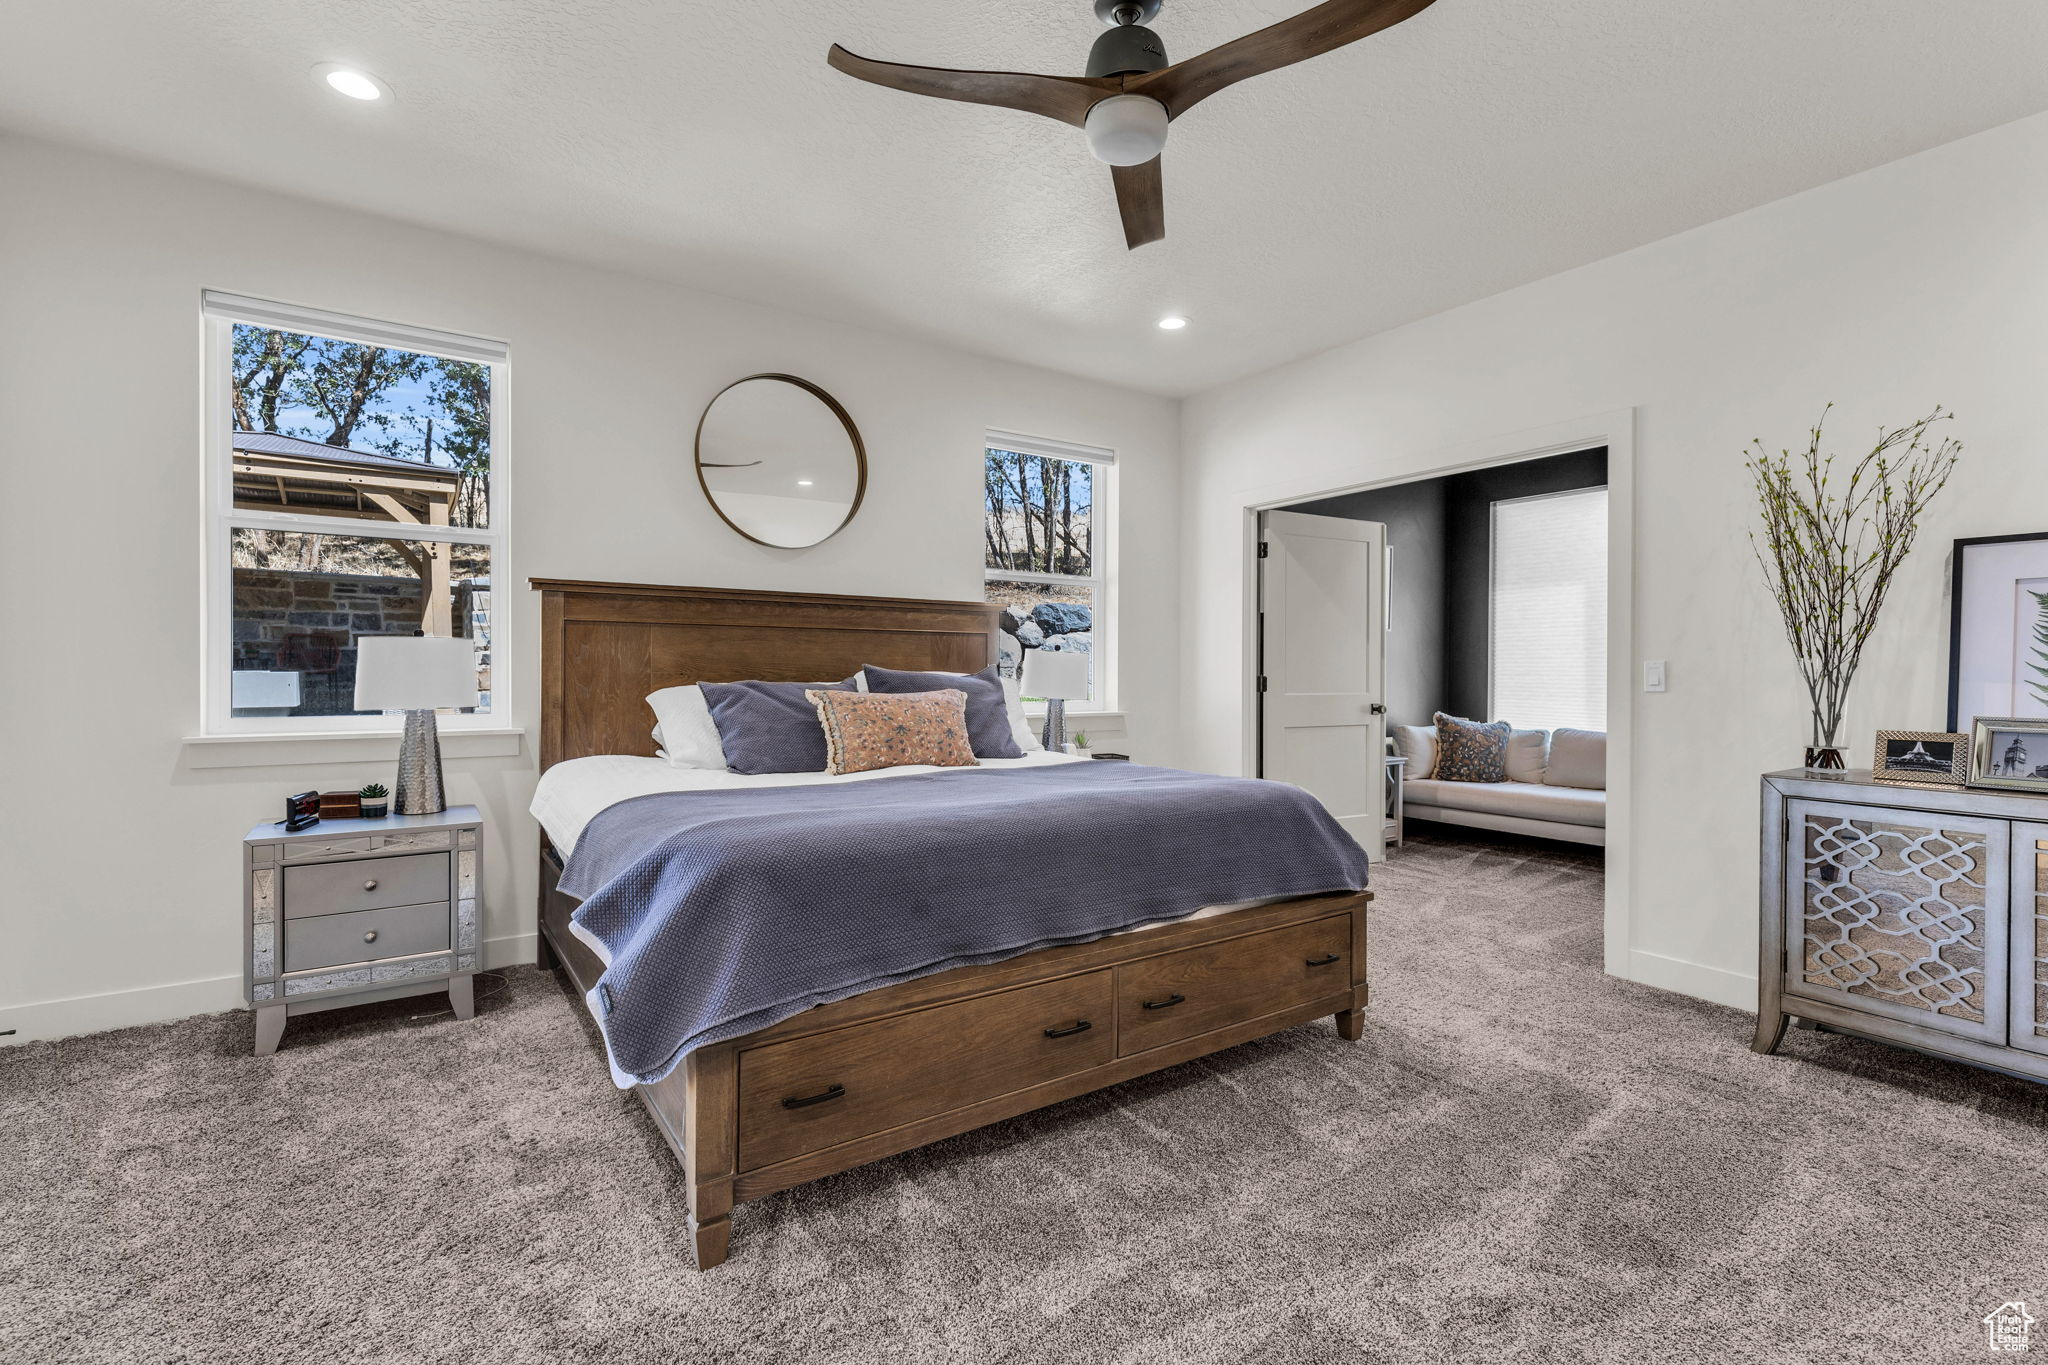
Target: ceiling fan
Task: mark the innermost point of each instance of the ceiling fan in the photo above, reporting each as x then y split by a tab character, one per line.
1131	93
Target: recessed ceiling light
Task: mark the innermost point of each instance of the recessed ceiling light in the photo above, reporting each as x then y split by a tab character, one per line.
351	81
803	483
1172	324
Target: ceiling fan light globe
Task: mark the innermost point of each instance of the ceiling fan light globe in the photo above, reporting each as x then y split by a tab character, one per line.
1126	130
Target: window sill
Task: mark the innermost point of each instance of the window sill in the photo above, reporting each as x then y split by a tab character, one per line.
338	746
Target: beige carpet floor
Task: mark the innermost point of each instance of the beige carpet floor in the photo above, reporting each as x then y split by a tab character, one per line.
1523	1161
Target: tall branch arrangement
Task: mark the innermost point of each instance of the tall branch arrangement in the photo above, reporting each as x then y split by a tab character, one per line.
1831	541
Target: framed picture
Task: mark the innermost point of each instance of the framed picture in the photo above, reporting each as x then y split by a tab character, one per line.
1998	628
1921	756
2010	752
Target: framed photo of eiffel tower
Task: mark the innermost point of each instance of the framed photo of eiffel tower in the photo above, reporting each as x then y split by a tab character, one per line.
1921	756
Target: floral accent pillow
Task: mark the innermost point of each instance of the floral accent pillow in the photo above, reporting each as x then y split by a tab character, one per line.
869	730
1470	750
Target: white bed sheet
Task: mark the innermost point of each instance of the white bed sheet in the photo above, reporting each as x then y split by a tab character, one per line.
571	794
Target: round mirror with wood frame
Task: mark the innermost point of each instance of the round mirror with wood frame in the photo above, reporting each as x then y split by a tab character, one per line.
780	461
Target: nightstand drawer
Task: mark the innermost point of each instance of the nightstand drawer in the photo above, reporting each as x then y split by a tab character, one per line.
365	936
325	848
368	884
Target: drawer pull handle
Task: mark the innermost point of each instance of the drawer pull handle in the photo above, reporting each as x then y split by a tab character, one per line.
370	885
1167	1003
370	937
832	1092
1325	960
1081	1027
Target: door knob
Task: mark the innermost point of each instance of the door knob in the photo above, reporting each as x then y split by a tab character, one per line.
1379	708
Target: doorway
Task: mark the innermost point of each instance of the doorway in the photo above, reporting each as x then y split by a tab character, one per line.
1479	594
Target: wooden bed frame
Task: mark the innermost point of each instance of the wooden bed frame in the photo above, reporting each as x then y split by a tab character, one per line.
895	1068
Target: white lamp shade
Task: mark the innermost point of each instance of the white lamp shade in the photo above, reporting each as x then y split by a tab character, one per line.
414	672
1055	674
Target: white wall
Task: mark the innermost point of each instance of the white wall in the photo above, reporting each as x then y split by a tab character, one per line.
1920	282
121	849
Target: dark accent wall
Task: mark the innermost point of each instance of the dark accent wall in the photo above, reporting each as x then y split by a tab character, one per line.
1441	533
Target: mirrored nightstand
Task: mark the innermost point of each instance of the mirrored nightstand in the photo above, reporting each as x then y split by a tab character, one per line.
351	911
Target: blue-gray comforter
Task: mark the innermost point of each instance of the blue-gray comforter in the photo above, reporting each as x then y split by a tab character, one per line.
719	913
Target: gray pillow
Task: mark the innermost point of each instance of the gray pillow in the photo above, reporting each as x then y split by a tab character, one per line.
1528	751
1578	758
770	727
988	713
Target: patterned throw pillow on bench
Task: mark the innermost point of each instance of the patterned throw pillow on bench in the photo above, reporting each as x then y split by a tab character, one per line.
1471	751
869	730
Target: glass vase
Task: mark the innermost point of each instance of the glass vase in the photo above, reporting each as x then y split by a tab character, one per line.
1826	756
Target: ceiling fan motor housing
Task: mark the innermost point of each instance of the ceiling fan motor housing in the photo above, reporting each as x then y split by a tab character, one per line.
1126	50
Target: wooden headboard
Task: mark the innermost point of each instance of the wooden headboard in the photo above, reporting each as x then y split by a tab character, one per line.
605	646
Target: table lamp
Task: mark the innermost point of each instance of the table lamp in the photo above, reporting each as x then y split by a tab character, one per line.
416	674
1059	676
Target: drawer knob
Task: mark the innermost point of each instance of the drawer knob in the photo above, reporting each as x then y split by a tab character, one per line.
1168	1003
370	885
1325	960
370	937
1081	1027
832	1092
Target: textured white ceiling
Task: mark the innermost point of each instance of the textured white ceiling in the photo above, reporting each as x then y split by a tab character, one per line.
1481	145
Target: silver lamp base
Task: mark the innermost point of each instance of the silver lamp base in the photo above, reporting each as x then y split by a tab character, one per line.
1055	736
419	767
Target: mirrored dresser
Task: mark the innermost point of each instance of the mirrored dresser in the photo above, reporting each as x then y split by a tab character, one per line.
1913	913
350	911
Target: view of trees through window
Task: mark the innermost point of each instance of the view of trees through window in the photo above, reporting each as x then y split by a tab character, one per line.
1040	553
1039	512
357	443
373	399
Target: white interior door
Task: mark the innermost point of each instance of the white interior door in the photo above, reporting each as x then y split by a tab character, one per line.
1322	718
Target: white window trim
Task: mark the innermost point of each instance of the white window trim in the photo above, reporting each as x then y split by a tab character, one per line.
220	312
1102	584
1492	567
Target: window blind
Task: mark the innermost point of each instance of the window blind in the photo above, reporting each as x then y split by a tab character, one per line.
1547	661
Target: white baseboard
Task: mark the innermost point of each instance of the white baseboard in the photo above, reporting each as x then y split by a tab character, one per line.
1717	984
119	1009
175	1000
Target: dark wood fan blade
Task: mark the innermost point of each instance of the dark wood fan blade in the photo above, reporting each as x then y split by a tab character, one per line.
1066	98
1141	196
1311	33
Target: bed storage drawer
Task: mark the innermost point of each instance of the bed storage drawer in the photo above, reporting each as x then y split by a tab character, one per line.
1164	999
811	1093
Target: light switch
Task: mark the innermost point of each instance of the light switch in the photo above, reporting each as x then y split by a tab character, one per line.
1653	675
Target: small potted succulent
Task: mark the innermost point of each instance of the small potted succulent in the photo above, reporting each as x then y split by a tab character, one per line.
1080	744
376	801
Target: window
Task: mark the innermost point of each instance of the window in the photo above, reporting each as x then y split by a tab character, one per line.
1548	656
1046	555
355	476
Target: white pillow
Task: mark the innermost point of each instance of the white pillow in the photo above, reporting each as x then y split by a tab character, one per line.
1020	727
1417	744
684	732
